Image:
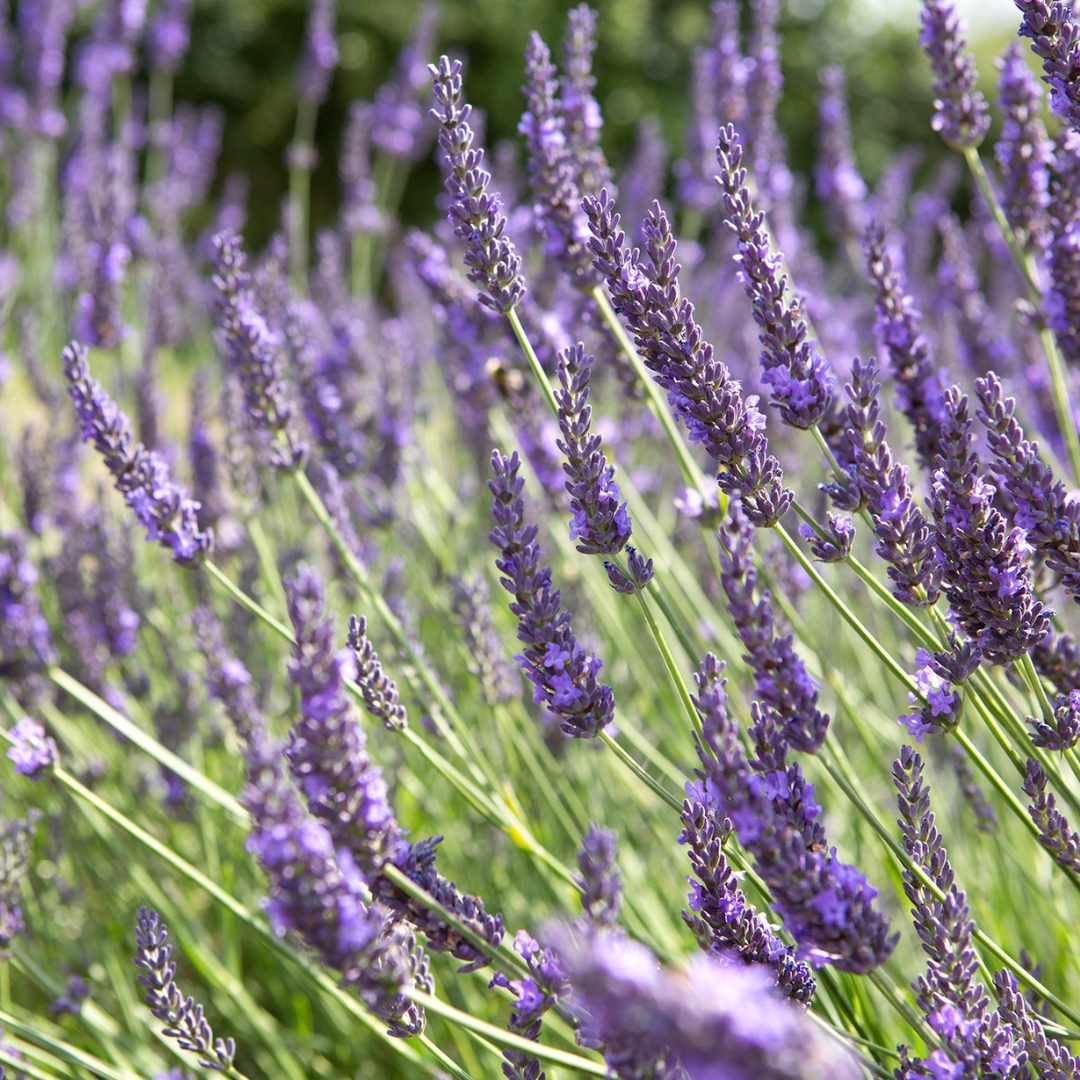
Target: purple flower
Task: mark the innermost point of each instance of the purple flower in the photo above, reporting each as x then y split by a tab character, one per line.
32	751
837	182
474	213
1023	151
1055	833
569	687
169	35
470	601
960	111
949	993
379	692
1061	303
1055	37
715	1020
15	839
600	881
802	385
700	388
162	507
920	386
582	119
184	1019
25	642
600	522
320	55
1045	1054
985	577
252	351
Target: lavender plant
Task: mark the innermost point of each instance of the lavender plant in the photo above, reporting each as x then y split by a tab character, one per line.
297	748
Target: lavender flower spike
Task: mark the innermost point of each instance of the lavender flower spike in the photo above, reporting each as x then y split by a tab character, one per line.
183	1018
1055	833
320	55
1055	37
960	111
802	386
600	522
949	994
140	475
985	576
474	212
699	387
32	751
711	1021
600	880
252	351
562	672
380	693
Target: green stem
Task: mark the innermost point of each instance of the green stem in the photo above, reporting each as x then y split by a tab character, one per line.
653	784
534	361
300	191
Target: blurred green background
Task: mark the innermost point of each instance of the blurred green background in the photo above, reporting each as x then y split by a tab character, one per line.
244	54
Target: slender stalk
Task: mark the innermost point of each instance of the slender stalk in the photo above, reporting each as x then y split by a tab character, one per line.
303	147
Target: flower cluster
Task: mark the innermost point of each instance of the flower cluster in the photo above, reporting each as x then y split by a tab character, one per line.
1052	28
140	475
960	111
562	672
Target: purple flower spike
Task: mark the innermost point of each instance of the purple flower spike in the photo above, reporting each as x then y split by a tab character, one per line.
562	672
1060	733
949	994
905	540
699	387
1023	151
802	386
837	182
140	475
600	522
781	680
25	642
711	1021
1044	510
474	213
32	751
320	55
1045	1055
184	1019
1061	305
380	693
1054	33
15	839
985	576
600	881
169	35
939	704
1055	833
552	168
960	111
920	386
581	111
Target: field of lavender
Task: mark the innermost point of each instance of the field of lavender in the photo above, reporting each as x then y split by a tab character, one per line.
597	636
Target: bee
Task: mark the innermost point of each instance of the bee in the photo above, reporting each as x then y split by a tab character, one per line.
508	380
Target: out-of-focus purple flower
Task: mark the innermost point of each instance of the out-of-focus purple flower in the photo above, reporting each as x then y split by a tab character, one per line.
70	1002
960	111
984	574
15	839
26	647
920	387
475	213
780	677
553	180
714	1021
399	127
1023	151
320	55
32	751
1049	517
169	35
360	211
600	881
1055	833
252	351
1061	301
1052	28
184	1020
562	672
581	111
470	600
600	522
43	26
837	182
109	51
802	385
949	995
162	507
700	388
